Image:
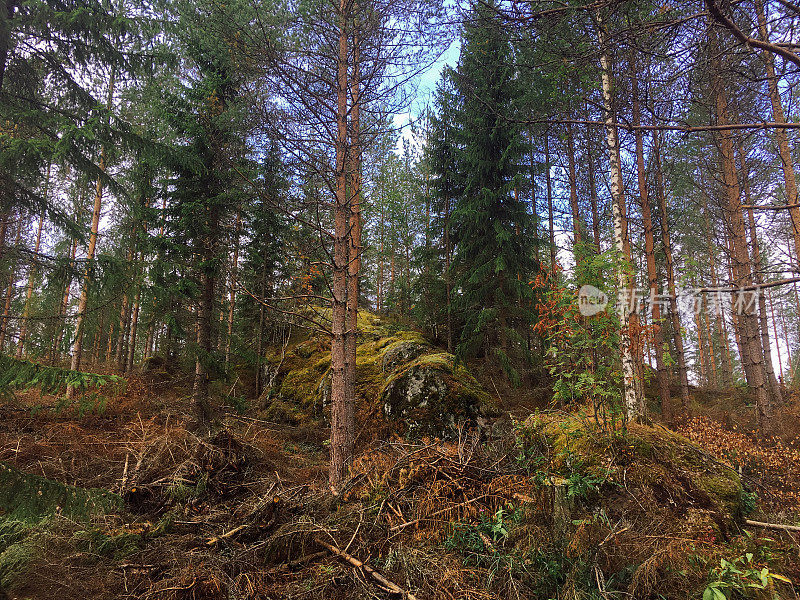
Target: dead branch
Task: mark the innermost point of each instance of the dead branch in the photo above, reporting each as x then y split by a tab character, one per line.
216	539
389	585
777	526
438	512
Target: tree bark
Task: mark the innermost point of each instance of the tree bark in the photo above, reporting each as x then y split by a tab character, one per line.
573	191
784	153
775	333
666	242
650	256
354	241
341	447
131	357
592	191
77	347
633	405
6	14
766	346
720	325
551	228
234	283
12	277
32	276
752	353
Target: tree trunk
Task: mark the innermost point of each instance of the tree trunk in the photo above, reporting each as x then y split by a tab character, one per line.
702	352
6	14
134	326
32	278
573	191
234	283
592	191
732	212
77	347
205	309
650	256
12	278
675	317
775	333
448	279
341	448
551	228
64	304
766	346
720	326
634	408
353	165
124	323
787	164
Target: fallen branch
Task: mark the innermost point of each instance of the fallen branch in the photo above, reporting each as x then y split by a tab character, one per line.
772	525
389	585
216	539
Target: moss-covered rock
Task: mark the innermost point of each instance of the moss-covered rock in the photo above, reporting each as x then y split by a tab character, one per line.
397	370
432	395
400	353
640	468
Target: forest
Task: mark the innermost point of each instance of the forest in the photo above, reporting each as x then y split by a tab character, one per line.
360	299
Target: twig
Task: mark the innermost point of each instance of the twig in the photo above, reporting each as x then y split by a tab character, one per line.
124	476
772	525
305	559
214	540
390	585
355	533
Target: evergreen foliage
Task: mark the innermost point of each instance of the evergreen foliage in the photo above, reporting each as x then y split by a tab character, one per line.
491	225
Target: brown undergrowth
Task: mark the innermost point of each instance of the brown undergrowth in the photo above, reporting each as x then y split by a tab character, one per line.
550	506
772	466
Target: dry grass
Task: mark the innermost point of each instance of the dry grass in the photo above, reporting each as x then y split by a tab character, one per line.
236	514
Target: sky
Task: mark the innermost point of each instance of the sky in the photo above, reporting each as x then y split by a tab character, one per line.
426	87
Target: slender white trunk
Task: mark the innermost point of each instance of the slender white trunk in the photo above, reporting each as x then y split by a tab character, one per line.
633	407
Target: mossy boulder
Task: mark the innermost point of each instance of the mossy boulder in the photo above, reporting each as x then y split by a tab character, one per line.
396	369
640	468
400	353
432	395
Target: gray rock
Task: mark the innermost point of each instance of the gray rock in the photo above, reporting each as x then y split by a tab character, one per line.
399	354
432	397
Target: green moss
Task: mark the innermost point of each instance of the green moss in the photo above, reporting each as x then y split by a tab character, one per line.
284	412
725	489
30	497
432	394
300	386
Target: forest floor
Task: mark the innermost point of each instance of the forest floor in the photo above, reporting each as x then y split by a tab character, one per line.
543	505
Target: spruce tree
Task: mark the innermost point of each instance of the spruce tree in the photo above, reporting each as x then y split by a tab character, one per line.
491	225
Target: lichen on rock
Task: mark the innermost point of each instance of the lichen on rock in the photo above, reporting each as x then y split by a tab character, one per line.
400	353
432	395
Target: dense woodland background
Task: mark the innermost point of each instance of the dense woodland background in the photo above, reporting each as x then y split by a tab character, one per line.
194	187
